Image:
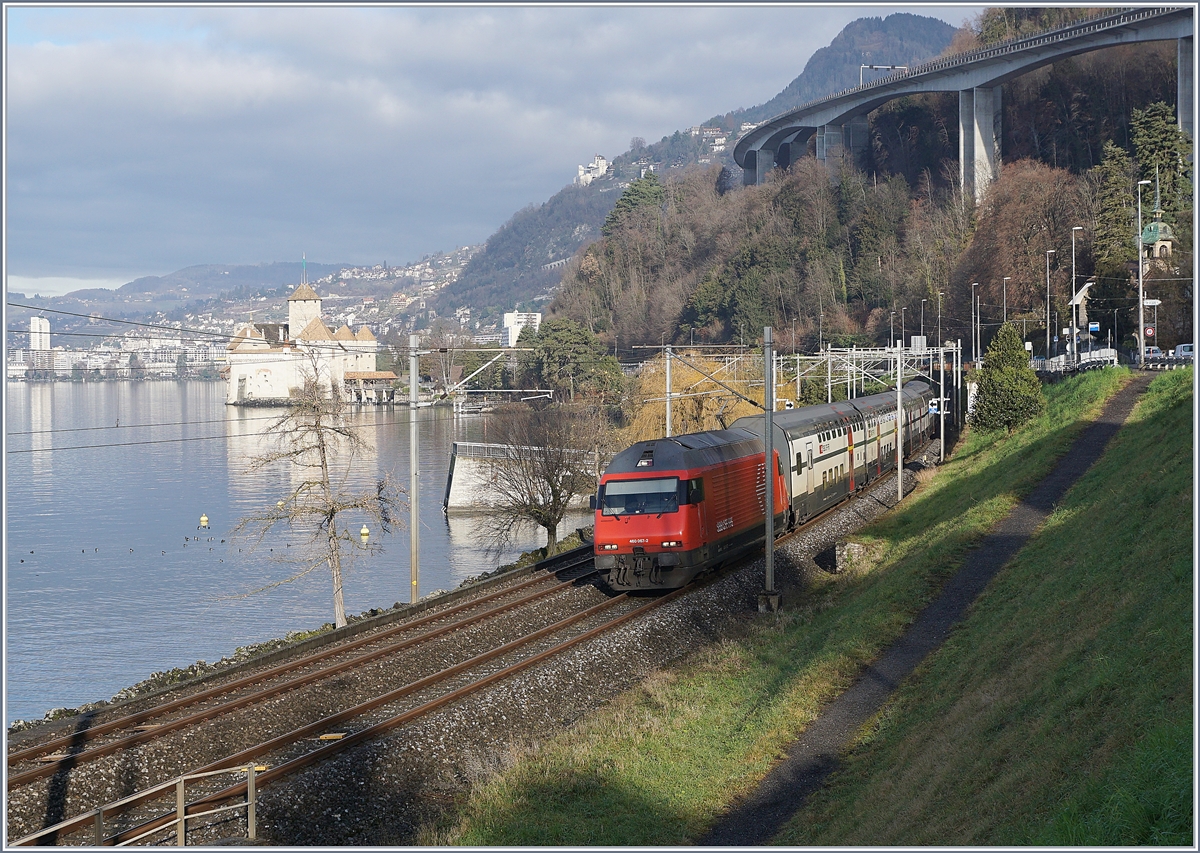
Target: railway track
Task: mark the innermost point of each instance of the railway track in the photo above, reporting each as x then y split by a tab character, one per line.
43	760
289	751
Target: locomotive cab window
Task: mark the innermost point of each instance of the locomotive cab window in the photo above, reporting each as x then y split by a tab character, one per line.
641	497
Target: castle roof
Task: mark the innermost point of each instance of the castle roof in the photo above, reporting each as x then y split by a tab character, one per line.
244	335
315	331
343	334
364	334
303	292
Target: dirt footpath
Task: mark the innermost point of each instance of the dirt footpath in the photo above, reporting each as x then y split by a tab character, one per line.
758	818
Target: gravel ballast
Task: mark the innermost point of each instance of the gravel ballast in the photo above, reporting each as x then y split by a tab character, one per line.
385	791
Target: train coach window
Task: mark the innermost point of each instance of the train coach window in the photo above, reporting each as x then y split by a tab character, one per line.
695	492
639	497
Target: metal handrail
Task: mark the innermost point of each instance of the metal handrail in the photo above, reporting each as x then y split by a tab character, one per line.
179	784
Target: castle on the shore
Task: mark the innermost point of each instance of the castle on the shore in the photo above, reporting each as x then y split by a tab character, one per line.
267	362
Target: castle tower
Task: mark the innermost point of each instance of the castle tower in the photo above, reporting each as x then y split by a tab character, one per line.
304	306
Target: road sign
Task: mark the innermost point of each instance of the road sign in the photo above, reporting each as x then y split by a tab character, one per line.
1093	326
1149	331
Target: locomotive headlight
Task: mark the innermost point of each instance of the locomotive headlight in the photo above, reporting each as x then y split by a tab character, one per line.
672	543
608	547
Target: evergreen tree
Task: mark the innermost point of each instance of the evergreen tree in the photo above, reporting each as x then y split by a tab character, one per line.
1009	391
1113	243
1162	152
645	192
568	358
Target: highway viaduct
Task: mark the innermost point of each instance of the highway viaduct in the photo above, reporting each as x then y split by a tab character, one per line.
839	122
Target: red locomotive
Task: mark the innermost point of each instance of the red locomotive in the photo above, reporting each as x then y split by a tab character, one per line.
671	508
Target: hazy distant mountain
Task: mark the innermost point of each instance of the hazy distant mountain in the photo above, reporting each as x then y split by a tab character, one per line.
511	268
215	279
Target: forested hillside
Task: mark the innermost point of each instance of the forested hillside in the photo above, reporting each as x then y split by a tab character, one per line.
511	268
853	263
509	271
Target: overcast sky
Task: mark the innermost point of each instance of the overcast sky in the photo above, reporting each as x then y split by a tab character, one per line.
143	140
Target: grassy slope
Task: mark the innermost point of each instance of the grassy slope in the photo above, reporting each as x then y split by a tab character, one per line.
1061	711
661	763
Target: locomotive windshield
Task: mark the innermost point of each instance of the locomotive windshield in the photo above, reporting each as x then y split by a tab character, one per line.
633	497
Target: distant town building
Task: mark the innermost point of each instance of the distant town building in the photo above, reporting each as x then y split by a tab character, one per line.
515	321
592	170
267	362
39	333
40	356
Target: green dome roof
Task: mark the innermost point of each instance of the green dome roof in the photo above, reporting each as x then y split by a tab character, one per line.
1156	231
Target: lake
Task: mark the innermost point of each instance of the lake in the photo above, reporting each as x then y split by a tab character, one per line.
108	579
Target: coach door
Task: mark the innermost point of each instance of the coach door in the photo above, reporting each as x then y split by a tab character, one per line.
810	486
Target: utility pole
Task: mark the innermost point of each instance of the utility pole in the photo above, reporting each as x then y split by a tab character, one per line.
1049	252
414	463
1141	333
899	424
1074	345
668	354
942	402
769	599
828	376
1004	285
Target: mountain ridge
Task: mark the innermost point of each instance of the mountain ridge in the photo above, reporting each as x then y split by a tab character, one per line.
508	273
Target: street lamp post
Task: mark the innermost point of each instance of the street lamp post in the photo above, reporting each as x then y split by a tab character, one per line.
923	301
1074	346
1004	285
974	324
892	330
902	310
1049	252
1141	332
939	340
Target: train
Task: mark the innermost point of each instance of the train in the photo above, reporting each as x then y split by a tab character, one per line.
668	509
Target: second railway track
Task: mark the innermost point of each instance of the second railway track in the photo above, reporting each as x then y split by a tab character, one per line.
318	691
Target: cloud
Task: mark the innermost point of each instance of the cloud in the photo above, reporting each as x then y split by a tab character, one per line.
151	139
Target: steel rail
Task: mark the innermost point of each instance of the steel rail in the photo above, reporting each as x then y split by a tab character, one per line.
342	716
335	747
18	779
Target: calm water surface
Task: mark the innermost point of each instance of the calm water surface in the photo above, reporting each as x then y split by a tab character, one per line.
107	578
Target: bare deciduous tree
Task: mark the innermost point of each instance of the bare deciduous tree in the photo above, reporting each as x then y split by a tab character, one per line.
314	439
544	466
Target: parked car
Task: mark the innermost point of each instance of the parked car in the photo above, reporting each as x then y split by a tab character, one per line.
1153	352
1185	351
